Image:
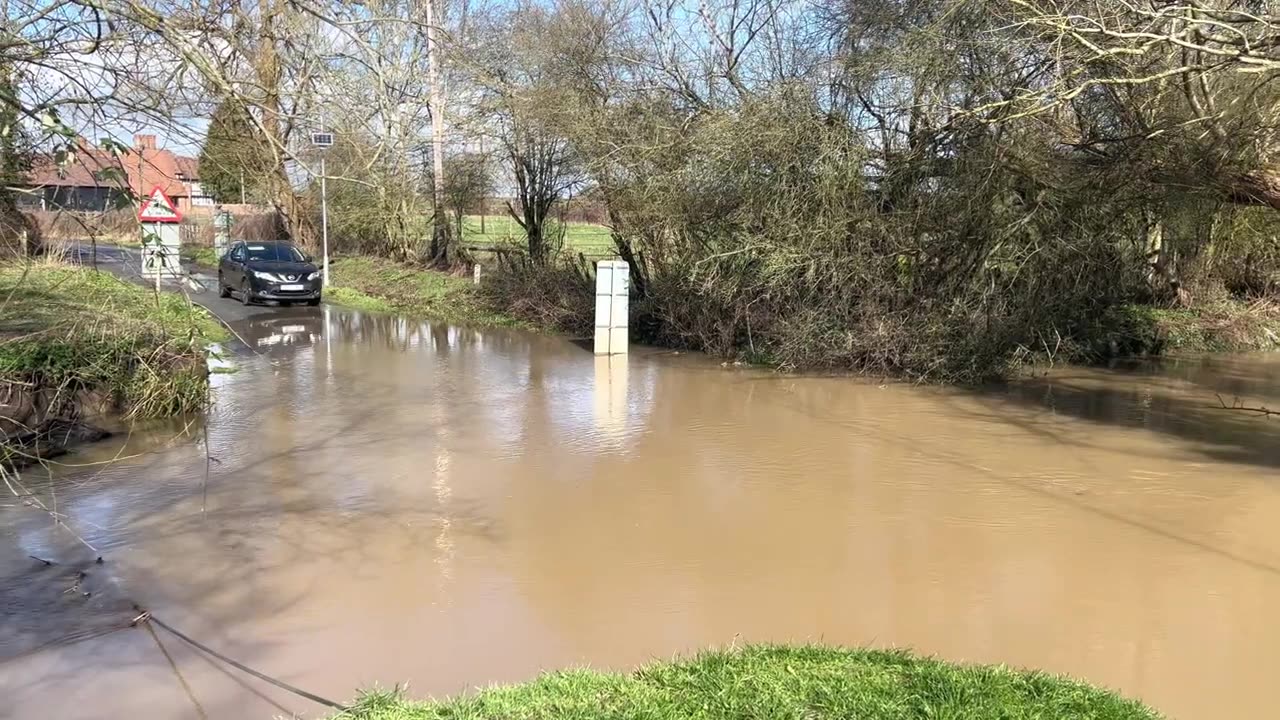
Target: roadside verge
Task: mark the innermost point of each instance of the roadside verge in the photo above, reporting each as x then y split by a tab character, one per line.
377	285
77	345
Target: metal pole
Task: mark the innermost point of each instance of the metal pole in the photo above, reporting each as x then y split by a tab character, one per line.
242	187
324	221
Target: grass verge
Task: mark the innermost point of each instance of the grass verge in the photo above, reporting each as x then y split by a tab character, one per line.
198	255
813	683
68	329
374	284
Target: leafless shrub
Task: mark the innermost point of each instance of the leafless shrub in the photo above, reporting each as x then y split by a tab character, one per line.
112	226
558	294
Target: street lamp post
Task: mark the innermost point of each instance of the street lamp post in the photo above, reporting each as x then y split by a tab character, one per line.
323	141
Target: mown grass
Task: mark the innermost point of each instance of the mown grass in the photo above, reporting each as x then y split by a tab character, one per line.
70	329
357	300
585	238
777	683
374	284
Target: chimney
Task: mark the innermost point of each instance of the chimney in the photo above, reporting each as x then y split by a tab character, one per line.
144	142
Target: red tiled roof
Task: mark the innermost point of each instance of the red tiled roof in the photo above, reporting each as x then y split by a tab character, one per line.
84	170
189	167
148	168
144	169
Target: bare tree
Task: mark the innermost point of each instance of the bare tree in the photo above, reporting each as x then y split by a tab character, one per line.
468	183
527	110
1201	73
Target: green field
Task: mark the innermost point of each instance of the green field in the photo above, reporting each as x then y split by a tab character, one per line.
591	240
586	238
775	682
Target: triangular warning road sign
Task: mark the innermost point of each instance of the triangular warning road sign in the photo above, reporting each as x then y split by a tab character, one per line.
158	208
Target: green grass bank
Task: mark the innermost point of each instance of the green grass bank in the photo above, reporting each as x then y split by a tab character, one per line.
66	331
377	285
776	682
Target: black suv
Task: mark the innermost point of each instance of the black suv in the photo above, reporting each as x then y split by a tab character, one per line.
269	271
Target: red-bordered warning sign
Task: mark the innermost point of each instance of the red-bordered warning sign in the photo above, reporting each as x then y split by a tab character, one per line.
158	208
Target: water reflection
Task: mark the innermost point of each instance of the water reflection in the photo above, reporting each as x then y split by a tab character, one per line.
610	399
284	330
394	500
1186	404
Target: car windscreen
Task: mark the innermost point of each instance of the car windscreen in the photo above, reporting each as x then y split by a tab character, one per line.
274	252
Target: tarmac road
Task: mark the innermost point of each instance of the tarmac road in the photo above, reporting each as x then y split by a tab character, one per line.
200	283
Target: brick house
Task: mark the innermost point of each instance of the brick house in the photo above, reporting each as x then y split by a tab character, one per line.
97	180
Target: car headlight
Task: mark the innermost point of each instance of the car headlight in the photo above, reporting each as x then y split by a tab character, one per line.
264	276
314	276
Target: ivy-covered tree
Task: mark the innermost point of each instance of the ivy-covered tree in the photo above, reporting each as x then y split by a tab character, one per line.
236	161
15	161
15	143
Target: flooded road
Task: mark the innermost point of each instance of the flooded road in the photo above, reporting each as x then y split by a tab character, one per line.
392	502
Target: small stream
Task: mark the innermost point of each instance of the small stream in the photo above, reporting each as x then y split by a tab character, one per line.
387	501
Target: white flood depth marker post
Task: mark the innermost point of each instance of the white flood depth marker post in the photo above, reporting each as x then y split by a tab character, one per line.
613	294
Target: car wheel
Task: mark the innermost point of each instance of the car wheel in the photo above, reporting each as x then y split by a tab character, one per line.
313	303
246	295
223	290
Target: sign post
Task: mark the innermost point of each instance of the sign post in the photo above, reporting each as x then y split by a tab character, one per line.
161	238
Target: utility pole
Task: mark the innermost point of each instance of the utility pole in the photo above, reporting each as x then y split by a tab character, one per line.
242	186
323	141
324	220
439	229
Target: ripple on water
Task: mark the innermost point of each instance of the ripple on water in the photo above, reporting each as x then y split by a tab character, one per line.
382	484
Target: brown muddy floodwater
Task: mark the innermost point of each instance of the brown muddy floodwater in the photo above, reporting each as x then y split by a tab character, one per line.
395	502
